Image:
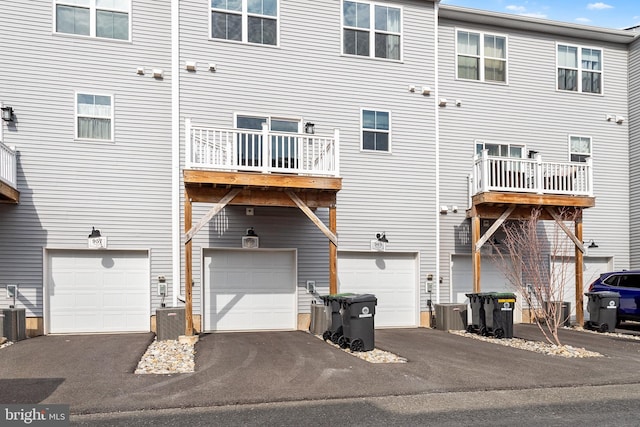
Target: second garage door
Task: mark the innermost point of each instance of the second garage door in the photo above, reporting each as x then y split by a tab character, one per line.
391	277
248	290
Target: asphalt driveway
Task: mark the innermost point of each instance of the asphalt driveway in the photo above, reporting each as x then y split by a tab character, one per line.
94	373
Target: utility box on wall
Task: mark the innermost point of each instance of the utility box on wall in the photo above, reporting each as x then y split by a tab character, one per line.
170	323
13	321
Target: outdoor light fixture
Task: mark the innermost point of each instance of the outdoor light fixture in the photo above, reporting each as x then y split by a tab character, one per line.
382	237
251	239
7	114
309	128
94	233
592	244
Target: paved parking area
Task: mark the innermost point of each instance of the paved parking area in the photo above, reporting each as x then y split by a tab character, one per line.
94	373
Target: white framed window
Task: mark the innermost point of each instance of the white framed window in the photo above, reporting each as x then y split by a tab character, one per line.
376	130
371	29
579	68
109	19
94	116
481	56
247	21
497	149
579	148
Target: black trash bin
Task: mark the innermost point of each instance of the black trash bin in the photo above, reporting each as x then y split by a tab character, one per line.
562	310
332	304
358	312
498	309
603	310
478	322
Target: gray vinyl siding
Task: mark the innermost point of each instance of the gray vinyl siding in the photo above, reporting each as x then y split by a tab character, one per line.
529	110
634	151
307	77
68	186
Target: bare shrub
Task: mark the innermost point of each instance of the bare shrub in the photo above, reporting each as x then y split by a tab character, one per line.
533	261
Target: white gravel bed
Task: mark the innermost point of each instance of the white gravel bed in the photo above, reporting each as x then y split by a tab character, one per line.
373	356
4	343
536	346
167	357
612	334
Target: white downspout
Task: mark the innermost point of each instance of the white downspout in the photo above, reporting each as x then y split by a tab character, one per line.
436	7
175	151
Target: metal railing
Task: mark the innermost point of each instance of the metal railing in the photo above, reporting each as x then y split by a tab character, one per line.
531	176
261	151
8	171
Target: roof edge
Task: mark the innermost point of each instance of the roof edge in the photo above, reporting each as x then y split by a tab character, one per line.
536	24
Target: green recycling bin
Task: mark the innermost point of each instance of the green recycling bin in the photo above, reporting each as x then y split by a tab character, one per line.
498	309
603	310
358	312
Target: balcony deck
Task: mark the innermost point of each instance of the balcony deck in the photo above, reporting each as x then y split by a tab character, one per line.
523	183
263	164
8	175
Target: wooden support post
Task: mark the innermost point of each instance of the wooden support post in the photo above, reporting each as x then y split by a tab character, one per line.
475	236
333	252
188	270
579	270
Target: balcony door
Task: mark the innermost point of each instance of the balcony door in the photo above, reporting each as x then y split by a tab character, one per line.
283	145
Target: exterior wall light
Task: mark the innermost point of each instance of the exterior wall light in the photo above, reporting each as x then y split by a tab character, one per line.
7	114
309	128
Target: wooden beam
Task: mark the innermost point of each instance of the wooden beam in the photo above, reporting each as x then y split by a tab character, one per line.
188	270
475	236
579	274
333	253
262	180
262	197
494	197
569	233
312	216
494	227
212	212
8	194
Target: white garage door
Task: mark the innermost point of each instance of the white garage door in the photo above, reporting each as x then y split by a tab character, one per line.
391	277
492	279
249	290
98	291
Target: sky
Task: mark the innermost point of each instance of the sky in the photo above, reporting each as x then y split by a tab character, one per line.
616	14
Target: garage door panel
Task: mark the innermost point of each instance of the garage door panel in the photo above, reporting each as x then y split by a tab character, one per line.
98	291
249	290
392	278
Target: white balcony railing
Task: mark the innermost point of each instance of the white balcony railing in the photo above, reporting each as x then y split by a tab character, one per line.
531	176
261	151
8	172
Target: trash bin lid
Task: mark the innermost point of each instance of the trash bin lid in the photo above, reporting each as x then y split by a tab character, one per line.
360	298
335	296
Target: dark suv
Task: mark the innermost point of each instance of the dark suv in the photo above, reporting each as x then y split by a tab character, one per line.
627	284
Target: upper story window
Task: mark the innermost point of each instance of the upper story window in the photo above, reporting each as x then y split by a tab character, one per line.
249	21
481	56
372	30
110	19
501	150
579	69
376	130
579	148
94	116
